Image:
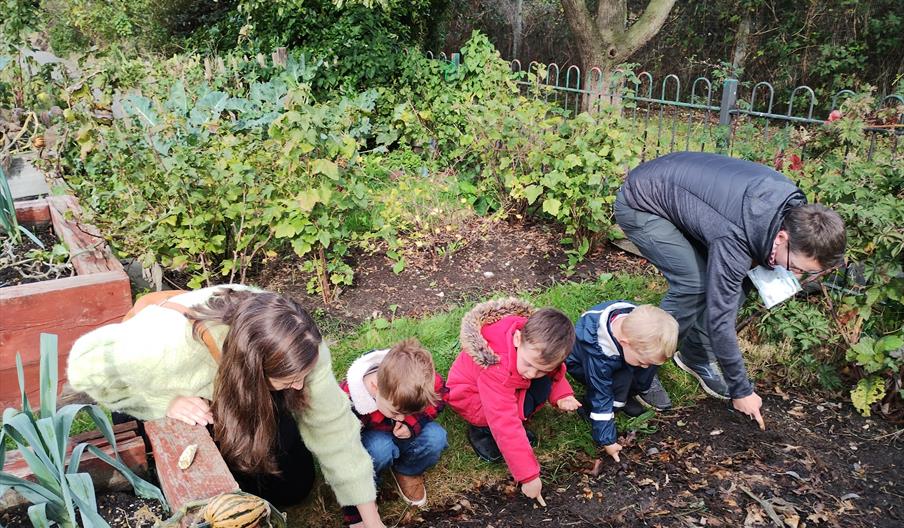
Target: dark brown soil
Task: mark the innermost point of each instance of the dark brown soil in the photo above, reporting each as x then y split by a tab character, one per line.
497	257
14	275
817	464
120	510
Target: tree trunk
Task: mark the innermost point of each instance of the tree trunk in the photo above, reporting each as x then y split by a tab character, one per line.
604	41
742	44
517	28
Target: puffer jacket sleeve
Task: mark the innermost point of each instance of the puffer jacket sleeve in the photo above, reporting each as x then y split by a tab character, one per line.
726	268
500	403
333	434
599	394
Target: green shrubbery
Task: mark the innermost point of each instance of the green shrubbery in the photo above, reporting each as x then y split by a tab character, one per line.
861	319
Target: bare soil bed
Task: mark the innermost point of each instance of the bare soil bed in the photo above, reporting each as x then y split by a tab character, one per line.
120	510
817	464
496	257
17	267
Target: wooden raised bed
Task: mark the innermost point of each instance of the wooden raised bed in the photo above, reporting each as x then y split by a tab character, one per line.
98	294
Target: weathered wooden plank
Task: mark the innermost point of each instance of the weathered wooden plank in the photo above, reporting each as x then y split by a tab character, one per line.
207	476
68	307
88	251
33	211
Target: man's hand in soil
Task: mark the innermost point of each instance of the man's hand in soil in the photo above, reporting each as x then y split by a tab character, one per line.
750	405
568	403
532	488
612	450
401	431
191	410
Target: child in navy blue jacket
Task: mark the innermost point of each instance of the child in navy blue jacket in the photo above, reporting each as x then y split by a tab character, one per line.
616	342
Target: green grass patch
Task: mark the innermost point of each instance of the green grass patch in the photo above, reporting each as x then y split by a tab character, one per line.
563	436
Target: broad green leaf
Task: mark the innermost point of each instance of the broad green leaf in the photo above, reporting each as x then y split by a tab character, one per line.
32	491
142	108
178	101
142	488
37	514
532	192
307	200
26	407
325	167
571	161
551	206
25	427
83	494
888	343
867	392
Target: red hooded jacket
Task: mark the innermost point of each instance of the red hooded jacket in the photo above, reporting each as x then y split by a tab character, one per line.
485	387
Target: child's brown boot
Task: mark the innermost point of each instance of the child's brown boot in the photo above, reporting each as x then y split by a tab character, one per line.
411	488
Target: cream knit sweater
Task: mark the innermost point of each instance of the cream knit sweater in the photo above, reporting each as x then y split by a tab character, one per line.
139	366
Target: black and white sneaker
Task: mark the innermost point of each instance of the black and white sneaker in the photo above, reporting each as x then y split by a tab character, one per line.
655	397
708	374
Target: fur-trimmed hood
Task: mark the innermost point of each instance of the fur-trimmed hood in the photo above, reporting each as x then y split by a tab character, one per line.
362	401
489	312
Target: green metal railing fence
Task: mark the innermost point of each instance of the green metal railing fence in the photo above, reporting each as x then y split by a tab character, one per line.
668	119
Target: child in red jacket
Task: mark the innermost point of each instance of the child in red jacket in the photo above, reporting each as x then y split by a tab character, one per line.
511	364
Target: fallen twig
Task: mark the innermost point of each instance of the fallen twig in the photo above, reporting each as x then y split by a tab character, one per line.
766	506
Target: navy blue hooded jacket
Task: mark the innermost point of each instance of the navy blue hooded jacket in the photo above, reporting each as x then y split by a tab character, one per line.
735	208
594	359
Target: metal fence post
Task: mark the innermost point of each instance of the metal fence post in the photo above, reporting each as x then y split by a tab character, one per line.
729	99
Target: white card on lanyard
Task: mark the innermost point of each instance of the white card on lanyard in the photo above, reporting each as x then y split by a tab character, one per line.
775	285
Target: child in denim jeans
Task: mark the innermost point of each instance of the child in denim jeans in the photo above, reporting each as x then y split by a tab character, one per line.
396	393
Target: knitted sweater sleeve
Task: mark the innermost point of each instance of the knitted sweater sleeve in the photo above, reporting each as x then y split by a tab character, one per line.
139	366
333	434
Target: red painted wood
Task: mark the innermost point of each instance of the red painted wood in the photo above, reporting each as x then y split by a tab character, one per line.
33	211
99	294
131	448
68	307
208	475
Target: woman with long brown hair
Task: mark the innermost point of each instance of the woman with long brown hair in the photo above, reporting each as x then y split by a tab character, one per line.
252	367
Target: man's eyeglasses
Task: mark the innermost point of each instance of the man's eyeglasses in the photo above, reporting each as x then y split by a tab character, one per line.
804	275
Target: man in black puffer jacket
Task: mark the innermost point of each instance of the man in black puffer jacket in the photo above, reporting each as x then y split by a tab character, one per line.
704	220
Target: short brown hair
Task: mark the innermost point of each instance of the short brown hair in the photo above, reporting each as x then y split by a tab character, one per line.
550	331
818	232
406	377
653	332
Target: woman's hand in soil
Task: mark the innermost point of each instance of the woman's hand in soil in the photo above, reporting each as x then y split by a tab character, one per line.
532	488
191	410
612	450
568	403
750	405
370	517
401	431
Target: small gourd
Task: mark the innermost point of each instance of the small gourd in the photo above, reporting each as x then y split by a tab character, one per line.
236	510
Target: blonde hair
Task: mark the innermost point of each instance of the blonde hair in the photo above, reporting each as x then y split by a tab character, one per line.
406	377
652	331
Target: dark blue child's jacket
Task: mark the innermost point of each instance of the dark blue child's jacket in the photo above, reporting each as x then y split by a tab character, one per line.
596	357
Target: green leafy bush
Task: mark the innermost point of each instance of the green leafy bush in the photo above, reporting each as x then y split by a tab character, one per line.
212	177
861	318
42	439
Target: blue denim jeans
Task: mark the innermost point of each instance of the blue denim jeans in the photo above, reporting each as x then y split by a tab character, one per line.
409	456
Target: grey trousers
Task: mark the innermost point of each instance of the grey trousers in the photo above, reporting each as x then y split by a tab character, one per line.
683	263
